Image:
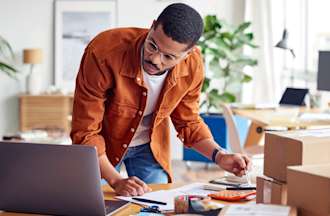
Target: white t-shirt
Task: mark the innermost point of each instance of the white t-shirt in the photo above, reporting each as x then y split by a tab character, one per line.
154	83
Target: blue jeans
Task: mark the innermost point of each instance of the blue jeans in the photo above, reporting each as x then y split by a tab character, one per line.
140	162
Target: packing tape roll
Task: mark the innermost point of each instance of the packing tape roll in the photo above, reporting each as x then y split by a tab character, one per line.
187	203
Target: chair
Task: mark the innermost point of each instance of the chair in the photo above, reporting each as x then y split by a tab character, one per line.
255	151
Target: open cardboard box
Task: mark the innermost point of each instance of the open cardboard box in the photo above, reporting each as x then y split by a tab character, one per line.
301	147
309	189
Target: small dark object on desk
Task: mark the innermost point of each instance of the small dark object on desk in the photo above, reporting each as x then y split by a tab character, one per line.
149	201
151	209
12	137
241	188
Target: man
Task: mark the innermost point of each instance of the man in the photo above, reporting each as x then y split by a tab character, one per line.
131	82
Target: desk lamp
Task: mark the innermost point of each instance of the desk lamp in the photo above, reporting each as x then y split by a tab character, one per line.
32	57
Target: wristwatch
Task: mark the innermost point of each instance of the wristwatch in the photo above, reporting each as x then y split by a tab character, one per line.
214	154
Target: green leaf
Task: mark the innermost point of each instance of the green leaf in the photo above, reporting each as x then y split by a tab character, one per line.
5	48
222	43
242	27
206	84
215	98
211	23
227	35
246	78
246	61
210	34
249	36
215	52
203	104
9	70
228	97
252	45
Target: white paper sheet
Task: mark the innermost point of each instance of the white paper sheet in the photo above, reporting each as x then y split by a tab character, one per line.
168	196
257	210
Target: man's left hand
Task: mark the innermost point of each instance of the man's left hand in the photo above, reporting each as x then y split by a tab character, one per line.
234	163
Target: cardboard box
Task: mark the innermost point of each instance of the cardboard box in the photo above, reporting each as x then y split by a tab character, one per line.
289	148
309	189
270	191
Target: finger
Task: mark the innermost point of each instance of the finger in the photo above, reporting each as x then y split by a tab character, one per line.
238	173
241	162
138	188
124	193
130	189
146	188
248	162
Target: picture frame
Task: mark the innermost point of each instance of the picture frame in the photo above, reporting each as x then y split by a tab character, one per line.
76	23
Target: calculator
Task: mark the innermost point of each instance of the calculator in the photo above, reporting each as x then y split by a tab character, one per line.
232	195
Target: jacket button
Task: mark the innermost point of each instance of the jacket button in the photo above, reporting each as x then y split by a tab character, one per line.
117	159
140	112
132	130
144	93
124	145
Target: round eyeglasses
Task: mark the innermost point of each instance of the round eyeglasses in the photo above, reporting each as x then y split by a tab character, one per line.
151	47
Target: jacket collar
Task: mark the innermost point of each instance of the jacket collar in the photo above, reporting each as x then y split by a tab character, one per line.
132	62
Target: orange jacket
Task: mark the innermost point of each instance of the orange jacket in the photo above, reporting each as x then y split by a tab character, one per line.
110	98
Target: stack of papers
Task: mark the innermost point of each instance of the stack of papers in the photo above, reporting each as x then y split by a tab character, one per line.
168	196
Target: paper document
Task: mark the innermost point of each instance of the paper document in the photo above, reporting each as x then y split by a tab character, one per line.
168	196
313	133
257	210
314	116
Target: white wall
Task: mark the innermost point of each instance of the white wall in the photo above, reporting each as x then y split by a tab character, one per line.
25	24
29	24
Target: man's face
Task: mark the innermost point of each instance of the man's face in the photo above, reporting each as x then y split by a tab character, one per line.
161	52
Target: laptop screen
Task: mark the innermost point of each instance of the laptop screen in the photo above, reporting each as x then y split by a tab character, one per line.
294	96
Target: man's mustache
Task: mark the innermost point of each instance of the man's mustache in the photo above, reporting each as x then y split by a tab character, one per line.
152	64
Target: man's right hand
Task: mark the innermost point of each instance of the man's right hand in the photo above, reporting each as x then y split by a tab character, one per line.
132	186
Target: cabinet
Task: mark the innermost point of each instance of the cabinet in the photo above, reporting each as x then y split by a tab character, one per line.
45	111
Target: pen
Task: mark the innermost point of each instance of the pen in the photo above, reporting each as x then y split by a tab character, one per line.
225	183
149	201
241	188
247	177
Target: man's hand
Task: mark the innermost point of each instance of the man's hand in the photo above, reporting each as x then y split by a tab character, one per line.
132	186
234	163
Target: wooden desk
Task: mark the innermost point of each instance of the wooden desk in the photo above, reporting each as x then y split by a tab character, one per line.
284	117
130	209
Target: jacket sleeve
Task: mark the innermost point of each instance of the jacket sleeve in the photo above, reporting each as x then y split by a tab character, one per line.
92	82
186	119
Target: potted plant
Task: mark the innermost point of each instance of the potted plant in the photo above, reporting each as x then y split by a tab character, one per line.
222	47
6	56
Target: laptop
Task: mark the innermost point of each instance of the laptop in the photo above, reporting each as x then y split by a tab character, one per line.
294	97
52	179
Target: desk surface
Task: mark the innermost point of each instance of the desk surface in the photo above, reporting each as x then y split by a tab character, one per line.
282	117
130	209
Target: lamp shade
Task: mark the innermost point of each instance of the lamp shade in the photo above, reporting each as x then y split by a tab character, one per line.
283	43
32	56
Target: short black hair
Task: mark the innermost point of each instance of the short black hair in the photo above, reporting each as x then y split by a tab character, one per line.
182	23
